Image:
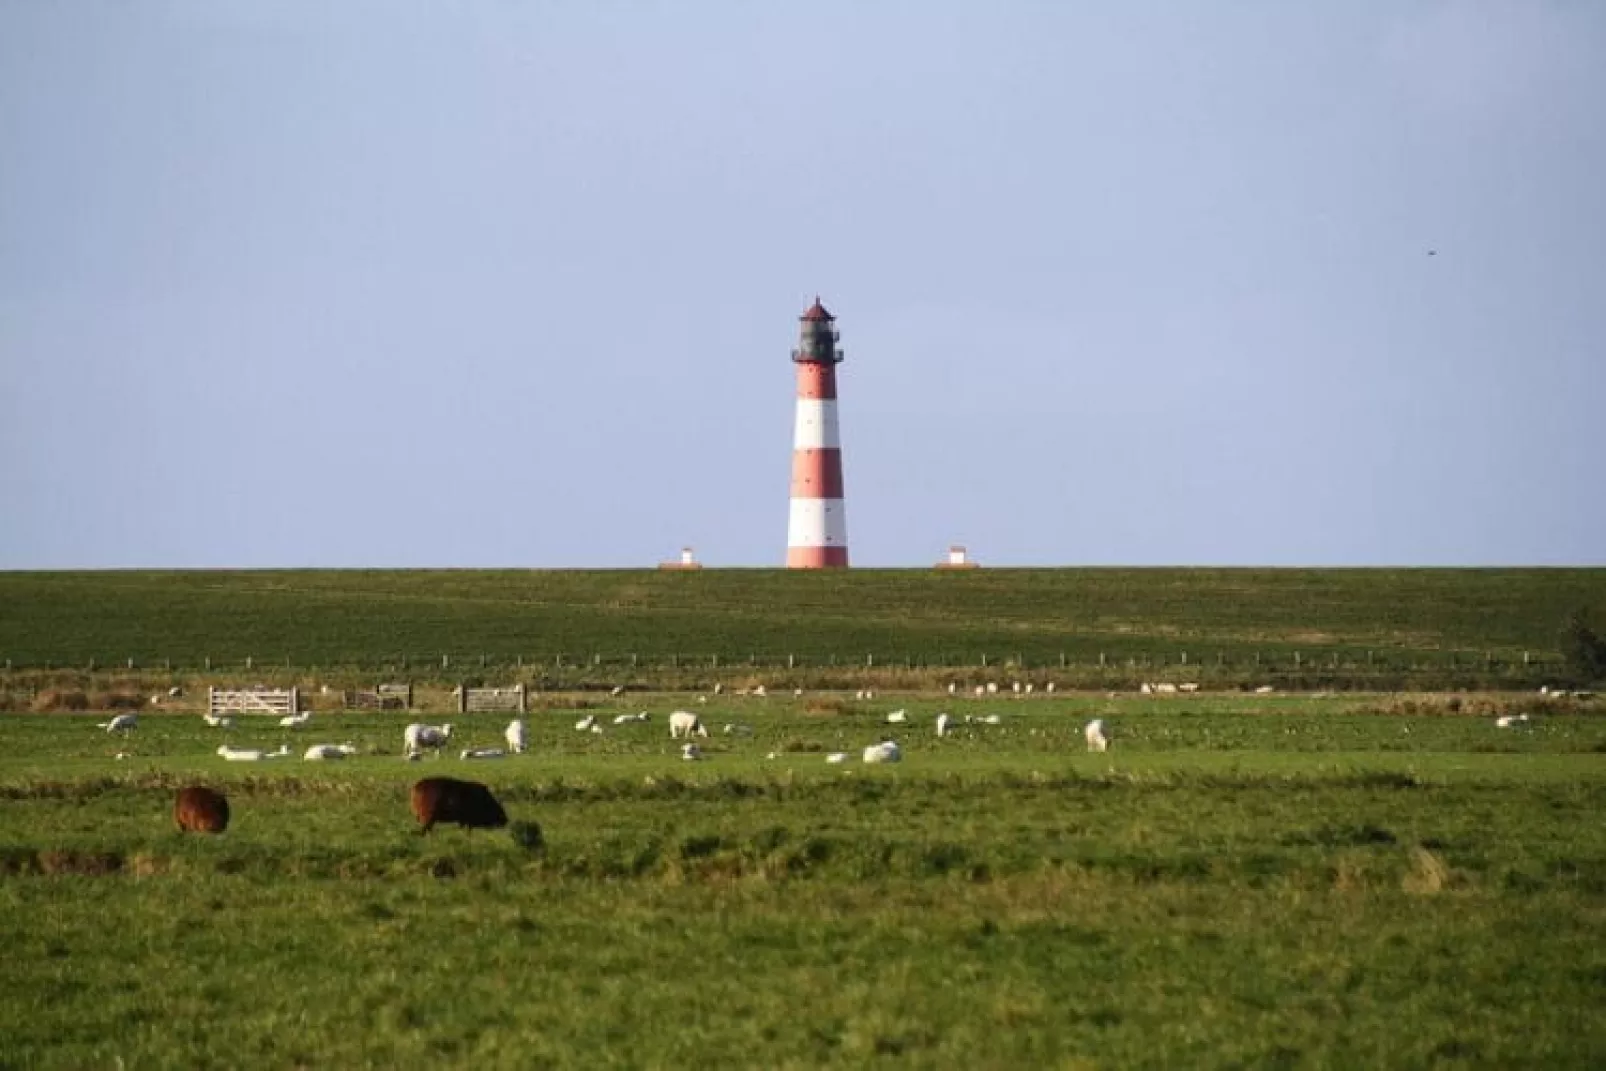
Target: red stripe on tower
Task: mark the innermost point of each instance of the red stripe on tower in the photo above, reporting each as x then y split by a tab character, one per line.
817	535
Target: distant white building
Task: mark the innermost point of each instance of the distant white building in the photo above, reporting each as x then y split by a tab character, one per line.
958	558
688	560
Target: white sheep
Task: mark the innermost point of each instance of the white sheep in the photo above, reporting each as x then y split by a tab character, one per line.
1165	688
719	689
735	728
991	719
886	751
295	721
122	723
517	735
1016	687
617	690
980	691
1265	689
418	736
218	721
632	719
1097	738
691	752
586	724
1511	721
685	723
760	692
992	687
482	753
898	717
1189	687
328	752
251	754
1049	687
943	722
953	689
837	757
1146	688
1029	687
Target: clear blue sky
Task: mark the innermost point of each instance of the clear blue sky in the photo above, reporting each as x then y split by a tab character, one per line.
499	284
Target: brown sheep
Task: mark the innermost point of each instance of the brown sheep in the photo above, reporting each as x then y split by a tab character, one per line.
465	803
200	810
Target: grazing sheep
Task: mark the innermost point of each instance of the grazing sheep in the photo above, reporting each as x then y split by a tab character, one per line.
1015	687
328	752
836	757
449	801
719	689
586	724
886	751
295	721
685	723
199	809
218	721
980	691
1049	687
517	736
123	723
1165	688
482	753
1146	688
897	717
1097	739
691	752
174	692
251	754
617	690
797	693
1511	721
760	692
736	728
953	689
992	687
991	719
418	736
632	719
943	722
1265	689
1029	687
1189	687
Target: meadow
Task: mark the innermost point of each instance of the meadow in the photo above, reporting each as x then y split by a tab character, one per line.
1282	881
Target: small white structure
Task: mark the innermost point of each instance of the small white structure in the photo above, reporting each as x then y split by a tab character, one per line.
1097	738
886	751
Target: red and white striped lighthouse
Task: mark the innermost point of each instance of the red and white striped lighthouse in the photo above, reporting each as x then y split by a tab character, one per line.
817	536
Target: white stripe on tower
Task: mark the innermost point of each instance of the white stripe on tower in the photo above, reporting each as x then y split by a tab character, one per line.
817	534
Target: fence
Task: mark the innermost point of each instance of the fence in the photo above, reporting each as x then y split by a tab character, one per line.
280	701
389	696
477	700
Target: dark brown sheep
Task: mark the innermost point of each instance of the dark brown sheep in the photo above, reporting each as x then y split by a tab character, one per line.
466	803
201	810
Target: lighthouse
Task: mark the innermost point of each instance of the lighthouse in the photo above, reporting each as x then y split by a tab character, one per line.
817	536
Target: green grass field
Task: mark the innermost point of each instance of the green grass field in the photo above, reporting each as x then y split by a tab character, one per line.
1361	617
1242	881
